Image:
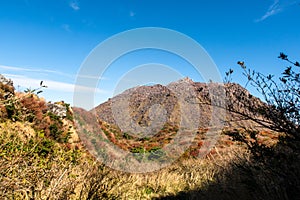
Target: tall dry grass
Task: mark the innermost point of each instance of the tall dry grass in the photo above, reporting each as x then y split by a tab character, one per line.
33	166
36	167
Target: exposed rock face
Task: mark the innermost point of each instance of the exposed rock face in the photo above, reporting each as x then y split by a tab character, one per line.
182	102
5	81
57	109
61	110
6	87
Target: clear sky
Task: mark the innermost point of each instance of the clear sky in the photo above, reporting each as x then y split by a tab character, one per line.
49	39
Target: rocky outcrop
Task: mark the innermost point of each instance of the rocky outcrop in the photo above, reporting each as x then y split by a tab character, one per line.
58	109
205	102
6	87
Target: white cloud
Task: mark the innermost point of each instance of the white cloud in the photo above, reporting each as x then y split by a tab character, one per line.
26	82
90	77
277	7
59	85
272	10
15	68
24	69
13	75
74	5
9	71
29	79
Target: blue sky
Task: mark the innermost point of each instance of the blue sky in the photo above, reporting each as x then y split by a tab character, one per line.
49	40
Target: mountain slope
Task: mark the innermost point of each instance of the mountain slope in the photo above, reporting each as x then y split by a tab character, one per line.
137	103
152	117
38	159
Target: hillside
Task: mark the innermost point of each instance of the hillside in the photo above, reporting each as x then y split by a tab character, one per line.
201	97
42	157
149	118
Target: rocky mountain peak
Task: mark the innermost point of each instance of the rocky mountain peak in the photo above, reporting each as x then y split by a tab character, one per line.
197	100
186	80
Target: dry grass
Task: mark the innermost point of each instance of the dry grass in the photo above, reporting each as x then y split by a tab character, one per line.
37	162
36	167
39	168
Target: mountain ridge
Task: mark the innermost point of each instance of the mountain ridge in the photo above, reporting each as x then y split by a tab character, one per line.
141	98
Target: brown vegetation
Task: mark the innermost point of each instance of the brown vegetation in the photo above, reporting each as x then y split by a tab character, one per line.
37	160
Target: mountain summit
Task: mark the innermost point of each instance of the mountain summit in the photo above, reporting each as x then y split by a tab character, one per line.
197	101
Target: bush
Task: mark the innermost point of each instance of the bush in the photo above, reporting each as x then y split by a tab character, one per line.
277	166
282	109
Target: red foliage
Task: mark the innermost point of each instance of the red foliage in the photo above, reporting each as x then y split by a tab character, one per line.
194	153
34	107
200	143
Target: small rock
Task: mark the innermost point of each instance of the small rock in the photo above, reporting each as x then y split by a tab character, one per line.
57	109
